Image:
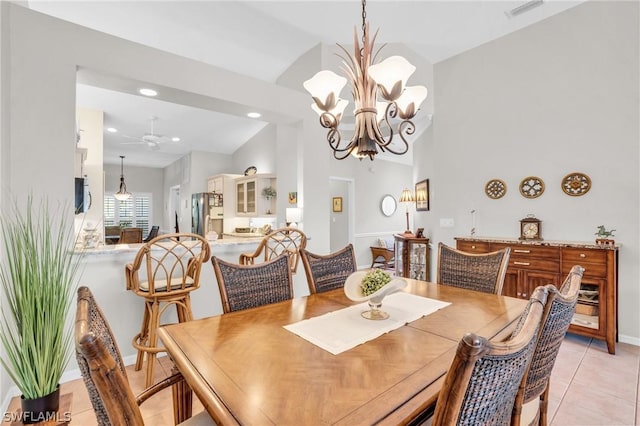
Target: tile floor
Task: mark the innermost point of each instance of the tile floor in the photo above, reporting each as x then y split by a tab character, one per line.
588	387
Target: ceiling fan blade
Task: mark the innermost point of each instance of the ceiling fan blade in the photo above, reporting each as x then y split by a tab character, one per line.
132	137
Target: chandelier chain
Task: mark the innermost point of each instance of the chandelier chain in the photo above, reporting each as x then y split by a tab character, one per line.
364	20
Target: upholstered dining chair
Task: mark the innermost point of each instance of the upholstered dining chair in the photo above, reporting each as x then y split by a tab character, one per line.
533	396
249	286
130	236
474	271
164	273
330	271
482	382
282	240
105	376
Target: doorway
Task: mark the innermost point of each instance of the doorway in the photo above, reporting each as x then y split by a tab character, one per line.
174	208
342	213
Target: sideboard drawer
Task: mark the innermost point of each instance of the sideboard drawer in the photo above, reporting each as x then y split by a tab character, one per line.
542	265
578	256
473	246
525	250
594	270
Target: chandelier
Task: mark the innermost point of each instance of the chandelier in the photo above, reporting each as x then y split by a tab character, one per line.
122	193
372	116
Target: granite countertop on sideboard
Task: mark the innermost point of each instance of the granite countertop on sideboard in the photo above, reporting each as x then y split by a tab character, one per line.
547	243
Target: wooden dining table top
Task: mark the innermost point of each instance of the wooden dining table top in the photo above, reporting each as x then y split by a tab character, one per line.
247	369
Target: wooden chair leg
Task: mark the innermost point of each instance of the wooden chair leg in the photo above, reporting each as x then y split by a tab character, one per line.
152	342
544	405
143	336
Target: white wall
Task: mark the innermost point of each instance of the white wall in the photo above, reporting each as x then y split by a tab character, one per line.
557	97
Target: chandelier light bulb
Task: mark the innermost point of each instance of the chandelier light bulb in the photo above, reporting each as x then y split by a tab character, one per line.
410	100
391	75
325	88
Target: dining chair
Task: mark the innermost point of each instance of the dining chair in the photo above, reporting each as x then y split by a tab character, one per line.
330	271
533	396
382	257
130	236
282	240
164	273
105	376
249	286
474	271
482	382
152	233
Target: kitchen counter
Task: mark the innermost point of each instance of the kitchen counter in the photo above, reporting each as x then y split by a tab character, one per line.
219	245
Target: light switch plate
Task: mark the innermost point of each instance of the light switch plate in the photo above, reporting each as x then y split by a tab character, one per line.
447	223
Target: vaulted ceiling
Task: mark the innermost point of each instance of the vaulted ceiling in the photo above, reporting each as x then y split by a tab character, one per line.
262	39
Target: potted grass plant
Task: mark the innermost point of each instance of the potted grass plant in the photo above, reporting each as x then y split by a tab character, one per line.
38	276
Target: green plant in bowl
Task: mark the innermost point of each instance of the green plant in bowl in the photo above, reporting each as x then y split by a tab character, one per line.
374	281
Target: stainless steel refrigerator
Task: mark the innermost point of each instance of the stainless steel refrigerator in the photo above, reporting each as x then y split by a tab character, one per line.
206	213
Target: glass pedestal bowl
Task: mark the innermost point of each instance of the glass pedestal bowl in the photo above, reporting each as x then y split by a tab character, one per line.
353	290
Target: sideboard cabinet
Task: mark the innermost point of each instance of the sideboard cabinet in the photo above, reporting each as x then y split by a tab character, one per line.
535	263
412	257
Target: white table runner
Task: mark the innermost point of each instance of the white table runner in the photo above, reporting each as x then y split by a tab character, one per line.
344	329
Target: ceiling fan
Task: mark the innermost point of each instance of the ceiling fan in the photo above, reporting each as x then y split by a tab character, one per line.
151	140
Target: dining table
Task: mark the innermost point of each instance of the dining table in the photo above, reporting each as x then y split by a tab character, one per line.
247	368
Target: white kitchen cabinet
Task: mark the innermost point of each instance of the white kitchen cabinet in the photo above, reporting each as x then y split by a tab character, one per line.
249	198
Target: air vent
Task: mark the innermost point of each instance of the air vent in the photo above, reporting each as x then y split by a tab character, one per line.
523	8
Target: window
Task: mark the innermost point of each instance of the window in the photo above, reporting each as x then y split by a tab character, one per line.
134	212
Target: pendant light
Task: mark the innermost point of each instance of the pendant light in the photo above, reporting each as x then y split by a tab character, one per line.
122	193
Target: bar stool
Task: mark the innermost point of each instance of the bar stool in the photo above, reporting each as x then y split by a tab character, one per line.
170	266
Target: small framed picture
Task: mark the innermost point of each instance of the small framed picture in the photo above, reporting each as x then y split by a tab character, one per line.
337	204
422	195
293	197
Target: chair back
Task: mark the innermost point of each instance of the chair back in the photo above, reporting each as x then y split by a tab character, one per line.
130	236
152	234
248	286
102	366
481	385
282	240
474	271
557	316
169	263
328	272
382	257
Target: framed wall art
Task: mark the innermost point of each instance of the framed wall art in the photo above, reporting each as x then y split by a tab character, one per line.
337	204
422	195
293	197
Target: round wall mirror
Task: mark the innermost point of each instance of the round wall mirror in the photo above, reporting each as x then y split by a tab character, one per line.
388	205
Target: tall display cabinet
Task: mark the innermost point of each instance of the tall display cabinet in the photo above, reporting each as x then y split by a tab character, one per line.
412	257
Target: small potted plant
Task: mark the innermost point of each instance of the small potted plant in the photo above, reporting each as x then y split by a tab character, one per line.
269	192
38	277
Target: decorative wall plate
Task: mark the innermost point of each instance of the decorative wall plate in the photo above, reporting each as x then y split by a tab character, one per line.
250	171
531	187
576	184
495	189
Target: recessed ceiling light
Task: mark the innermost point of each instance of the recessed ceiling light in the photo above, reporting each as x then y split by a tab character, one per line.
175	139
254	115
148	92
112	130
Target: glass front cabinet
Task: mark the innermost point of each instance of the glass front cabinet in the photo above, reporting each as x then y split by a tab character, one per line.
412	257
